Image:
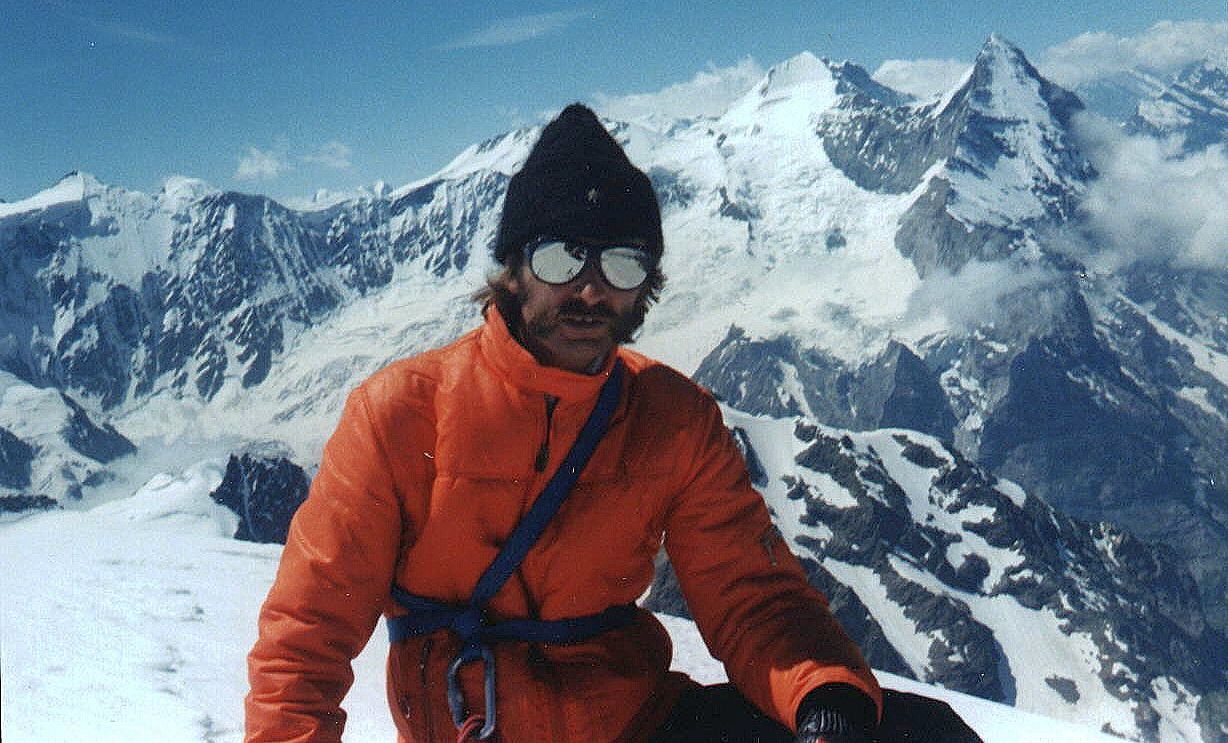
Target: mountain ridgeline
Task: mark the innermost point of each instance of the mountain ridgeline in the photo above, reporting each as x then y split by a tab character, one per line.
971	436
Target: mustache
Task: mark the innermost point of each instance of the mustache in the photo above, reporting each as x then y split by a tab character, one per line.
575	307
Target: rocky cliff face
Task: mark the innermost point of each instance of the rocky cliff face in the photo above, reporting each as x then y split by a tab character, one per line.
938	568
118	296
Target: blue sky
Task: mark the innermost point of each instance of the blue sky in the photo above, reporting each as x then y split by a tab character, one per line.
285	98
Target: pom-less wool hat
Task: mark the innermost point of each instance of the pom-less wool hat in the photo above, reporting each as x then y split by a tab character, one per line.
578	183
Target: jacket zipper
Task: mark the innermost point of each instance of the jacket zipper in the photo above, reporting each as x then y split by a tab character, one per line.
551	721
543	451
427	702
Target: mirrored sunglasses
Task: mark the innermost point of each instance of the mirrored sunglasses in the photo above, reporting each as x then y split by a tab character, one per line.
560	261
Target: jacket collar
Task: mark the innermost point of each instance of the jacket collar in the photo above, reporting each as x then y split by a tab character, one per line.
515	364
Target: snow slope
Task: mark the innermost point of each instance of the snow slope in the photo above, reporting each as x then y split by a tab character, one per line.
134	620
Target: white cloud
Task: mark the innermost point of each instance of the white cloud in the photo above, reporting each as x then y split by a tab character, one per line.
983	292
709	93
261	165
333	154
518	29
1153	203
923	78
1164	47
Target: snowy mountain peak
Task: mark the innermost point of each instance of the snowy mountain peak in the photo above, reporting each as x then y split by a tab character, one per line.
803	69
788	97
178	191
1013	162
504	153
1004	84
78	179
998	45
73	188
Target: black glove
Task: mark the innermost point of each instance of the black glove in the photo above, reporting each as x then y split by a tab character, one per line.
912	718
836	713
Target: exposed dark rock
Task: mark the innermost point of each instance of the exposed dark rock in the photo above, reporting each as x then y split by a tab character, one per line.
264	493
15	458
922	456
1136	466
935	240
971	574
758	475
101	443
19	503
1064	686
671	187
665	595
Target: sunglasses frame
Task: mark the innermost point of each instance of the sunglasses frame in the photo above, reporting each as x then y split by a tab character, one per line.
592	254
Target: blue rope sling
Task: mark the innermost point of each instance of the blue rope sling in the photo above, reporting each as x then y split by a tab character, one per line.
470	621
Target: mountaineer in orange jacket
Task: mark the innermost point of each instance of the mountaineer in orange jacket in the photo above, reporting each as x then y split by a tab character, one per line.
439	457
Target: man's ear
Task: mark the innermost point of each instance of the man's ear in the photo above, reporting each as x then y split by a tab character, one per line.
513	281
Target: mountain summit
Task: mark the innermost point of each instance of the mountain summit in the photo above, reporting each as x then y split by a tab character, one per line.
870	283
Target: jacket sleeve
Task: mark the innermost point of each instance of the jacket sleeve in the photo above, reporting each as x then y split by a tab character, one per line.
747	591
332	583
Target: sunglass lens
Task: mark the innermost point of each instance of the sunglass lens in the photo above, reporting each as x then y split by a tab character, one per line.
624	267
556	262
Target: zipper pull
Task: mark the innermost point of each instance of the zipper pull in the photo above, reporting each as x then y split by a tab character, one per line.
543	451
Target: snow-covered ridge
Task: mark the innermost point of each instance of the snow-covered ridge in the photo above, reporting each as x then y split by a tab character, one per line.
72	188
163	654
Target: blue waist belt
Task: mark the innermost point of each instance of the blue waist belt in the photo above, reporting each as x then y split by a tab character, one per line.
476	633
469	621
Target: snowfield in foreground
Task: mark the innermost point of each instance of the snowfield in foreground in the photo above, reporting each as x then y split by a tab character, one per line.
131	621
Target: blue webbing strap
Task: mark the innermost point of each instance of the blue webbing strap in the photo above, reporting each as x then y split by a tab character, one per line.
469	621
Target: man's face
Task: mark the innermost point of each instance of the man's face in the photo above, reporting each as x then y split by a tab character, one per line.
573	325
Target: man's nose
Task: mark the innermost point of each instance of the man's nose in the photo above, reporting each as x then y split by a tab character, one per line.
590	287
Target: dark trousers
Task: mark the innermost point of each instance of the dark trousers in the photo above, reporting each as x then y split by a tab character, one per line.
708	714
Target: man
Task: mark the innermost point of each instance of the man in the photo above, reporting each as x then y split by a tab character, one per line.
438	458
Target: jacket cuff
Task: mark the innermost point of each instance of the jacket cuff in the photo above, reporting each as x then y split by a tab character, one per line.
837	709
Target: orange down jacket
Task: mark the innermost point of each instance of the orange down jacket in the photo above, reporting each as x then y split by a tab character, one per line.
431	466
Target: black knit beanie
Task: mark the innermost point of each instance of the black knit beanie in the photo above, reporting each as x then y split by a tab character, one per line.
578	183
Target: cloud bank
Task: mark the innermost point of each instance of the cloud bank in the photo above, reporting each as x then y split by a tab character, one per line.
1152	203
1163	48
984	293
923	78
709	93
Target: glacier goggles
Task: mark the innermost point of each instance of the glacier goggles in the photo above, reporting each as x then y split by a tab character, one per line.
559	262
